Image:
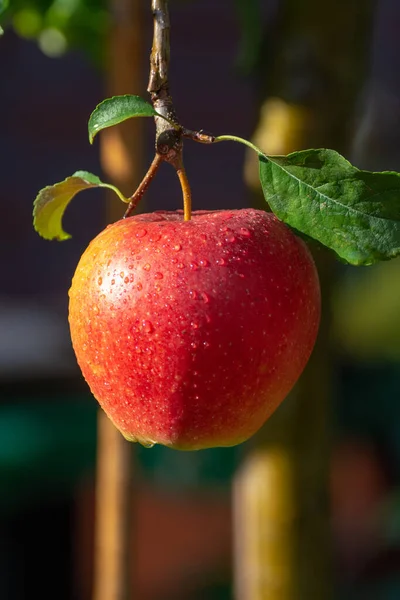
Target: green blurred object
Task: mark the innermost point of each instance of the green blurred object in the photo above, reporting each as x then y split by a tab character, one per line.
366	312
251	34
45	447
174	469
48	445
60	25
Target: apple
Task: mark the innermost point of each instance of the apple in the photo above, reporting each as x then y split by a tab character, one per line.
191	333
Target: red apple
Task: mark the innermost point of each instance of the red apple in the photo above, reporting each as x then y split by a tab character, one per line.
191	333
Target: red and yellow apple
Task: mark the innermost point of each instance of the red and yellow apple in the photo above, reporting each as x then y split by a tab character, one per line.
191	333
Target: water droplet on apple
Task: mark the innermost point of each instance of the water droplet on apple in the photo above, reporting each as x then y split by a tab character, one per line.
205	297
180	265
147	444
141	233
122	274
127	279
193	294
139	286
204	262
245	232
158	275
147	326
194	266
138	350
112	281
147	267
100	280
155	237
177	247
194	325
230	239
221	262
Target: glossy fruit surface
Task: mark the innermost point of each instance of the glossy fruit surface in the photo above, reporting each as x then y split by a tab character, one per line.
191	333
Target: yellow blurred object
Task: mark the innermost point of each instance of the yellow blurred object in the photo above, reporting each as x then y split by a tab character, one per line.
116	156
264	523
282	129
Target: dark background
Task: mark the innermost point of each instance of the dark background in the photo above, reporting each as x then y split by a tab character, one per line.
47	416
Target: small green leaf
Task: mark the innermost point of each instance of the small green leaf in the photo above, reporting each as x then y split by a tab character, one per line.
319	193
51	202
117	109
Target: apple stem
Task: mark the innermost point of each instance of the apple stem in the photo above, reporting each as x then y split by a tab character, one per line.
186	192
147	179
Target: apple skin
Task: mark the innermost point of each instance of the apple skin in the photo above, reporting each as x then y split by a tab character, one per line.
191	333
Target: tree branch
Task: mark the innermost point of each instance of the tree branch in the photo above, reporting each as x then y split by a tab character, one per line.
160	52
168	140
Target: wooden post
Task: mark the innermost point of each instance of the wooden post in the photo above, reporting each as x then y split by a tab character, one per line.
113	560
281	505
121	157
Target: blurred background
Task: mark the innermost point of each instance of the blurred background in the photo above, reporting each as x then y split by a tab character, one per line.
309	509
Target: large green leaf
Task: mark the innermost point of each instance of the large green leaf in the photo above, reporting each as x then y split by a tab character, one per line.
117	109
318	192
51	202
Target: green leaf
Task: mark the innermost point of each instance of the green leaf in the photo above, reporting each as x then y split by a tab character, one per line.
117	109
319	193
51	202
